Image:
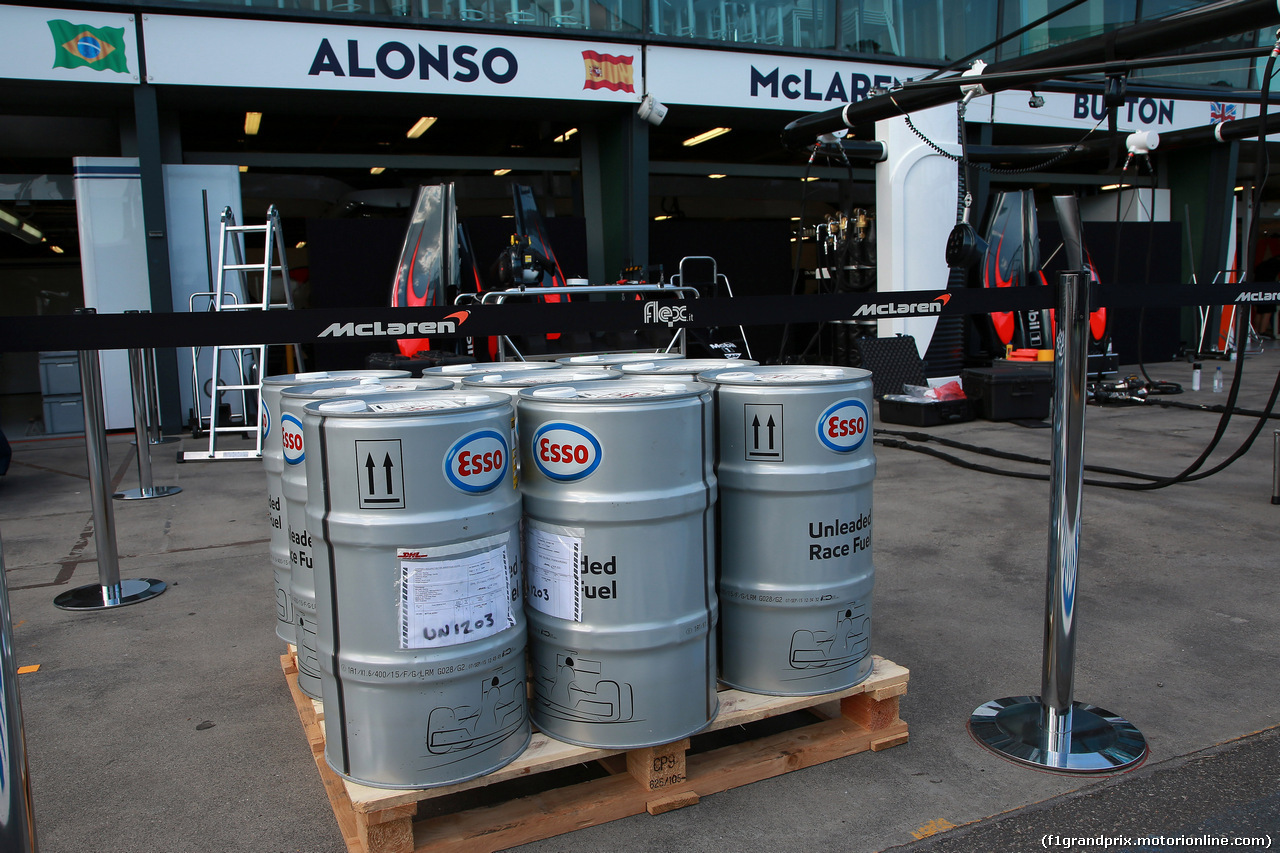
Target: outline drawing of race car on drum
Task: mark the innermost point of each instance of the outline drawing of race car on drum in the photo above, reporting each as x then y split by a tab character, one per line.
477	727
827	650
572	694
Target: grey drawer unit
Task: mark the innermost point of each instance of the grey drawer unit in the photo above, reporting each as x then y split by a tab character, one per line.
63	414
59	373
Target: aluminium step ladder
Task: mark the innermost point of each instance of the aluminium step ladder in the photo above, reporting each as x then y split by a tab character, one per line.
246	362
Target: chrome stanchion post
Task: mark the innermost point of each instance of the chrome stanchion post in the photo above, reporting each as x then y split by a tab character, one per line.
155	429
17	819
1275	468
110	591
1052	731
146	489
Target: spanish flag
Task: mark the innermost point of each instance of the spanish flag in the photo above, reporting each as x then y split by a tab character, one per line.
605	71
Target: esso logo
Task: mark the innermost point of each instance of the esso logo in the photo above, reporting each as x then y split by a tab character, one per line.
843	427
566	452
265	417
477	462
291	439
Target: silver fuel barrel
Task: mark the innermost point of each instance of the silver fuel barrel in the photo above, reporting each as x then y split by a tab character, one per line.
684	369
512	382
795	467
302	586
619	497
273	464
459	372
614	359
416	518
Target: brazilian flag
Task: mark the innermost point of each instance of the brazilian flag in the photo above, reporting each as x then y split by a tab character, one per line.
101	48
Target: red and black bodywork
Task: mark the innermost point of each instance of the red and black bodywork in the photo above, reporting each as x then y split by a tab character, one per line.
1012	259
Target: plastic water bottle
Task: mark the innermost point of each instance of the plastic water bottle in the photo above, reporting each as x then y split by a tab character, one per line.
1195	376
1217	379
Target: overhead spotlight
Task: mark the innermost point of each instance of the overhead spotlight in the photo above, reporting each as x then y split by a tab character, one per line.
377	170
564	137
244	168
301	244
652	110
662	217
498	173
703	137
420	126
57	250
1035	101
716	176
252	121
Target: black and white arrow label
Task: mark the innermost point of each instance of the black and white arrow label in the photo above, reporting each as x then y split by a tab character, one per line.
763	438
380	473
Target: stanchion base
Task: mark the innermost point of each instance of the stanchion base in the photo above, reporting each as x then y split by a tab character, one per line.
147	494
91	597
1101	742
164	439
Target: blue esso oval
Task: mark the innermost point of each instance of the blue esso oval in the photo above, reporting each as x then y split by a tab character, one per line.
844	425
477	462
566	452
291	439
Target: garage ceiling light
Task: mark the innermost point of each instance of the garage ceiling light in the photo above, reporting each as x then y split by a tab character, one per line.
252	121
564	137
19	227
420	126
377	170
703	137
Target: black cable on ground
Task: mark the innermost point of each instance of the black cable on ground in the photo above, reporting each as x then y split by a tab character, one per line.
1004	454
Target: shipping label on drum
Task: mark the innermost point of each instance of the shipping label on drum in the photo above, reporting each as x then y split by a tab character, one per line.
552	580
452	598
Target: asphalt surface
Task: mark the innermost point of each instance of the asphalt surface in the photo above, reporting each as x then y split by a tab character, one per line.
166	726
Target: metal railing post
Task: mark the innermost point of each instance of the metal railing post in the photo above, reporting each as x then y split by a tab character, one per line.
110	591
1275	468
138	385
151	374
1052	731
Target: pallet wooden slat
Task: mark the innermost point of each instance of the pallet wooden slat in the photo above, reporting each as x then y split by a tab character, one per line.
654	780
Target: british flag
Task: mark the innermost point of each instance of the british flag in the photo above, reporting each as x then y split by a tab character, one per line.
1219	113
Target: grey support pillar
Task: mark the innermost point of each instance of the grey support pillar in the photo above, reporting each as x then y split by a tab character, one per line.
146	116
615	194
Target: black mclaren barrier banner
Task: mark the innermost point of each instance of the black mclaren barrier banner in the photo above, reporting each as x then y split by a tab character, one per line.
315	325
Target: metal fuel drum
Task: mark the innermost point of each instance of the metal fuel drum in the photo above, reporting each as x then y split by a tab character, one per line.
421	636
459	372
685	369
619	498
293	481
795	467
511	383
273	464
614	359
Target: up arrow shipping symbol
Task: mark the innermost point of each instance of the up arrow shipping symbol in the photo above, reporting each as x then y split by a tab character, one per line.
380	492
768	415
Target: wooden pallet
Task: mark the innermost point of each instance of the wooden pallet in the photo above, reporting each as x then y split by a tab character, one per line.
531	798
